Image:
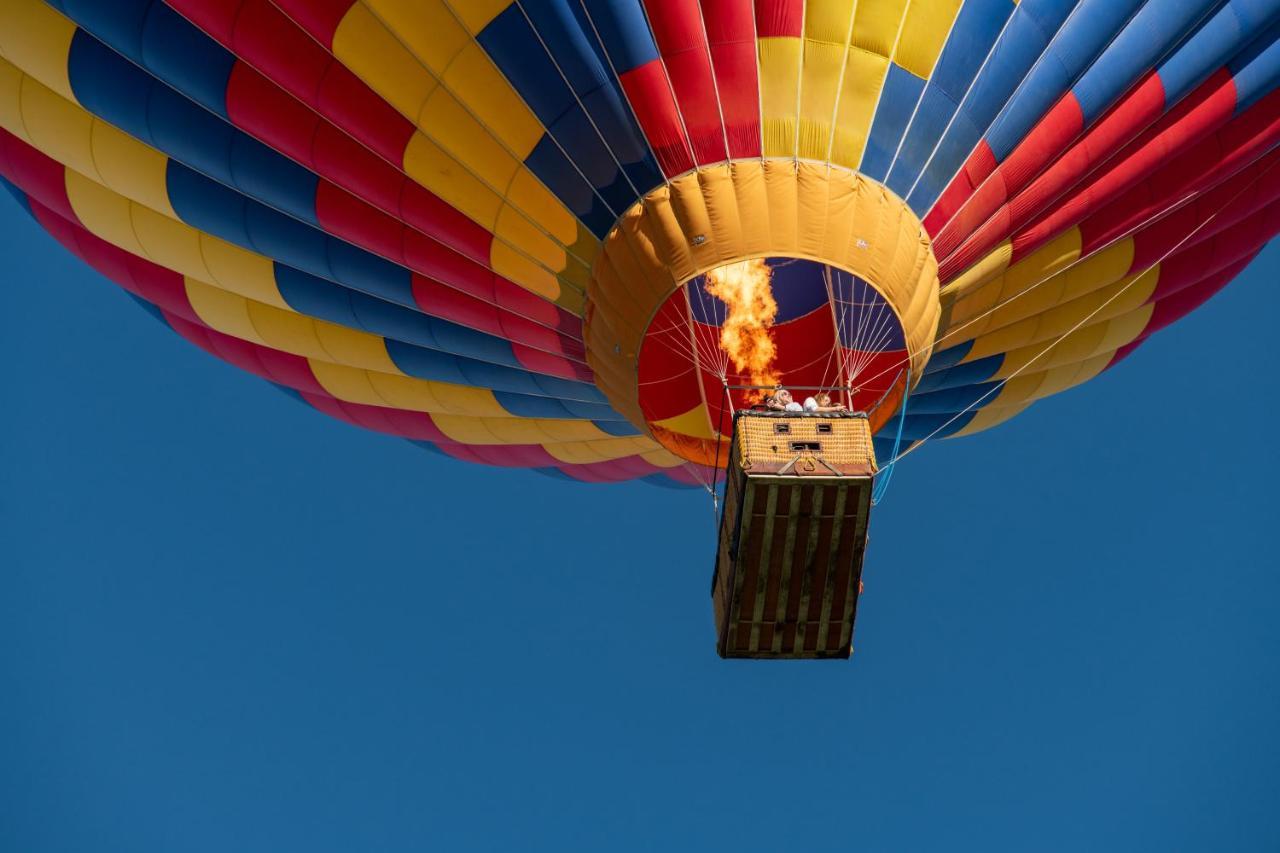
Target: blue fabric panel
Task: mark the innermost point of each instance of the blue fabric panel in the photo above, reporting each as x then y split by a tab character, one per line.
949	357
207	205
1156	28
316	297
524	406
1086	33
562	92
1222	37
898	99
920	427
459	339
119	92
617	426
568	389
1027	33
391	321
950	400
426	363
481	375
554	169
979	370
1257	70
935	110
154	36
364	271
426	445
975	30
624	32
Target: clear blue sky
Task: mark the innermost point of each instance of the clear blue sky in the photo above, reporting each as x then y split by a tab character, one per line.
230	624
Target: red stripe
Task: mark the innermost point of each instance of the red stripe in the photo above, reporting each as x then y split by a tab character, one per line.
318	17
41	177
776	18
730	30
678	32
1184	141
976	169
651	100
984	213
1221	208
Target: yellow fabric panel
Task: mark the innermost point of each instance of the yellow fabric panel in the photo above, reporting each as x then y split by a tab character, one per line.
875	27
924	32
36	38
693	422
605	450
366	47
864	75
292	333
989	416
779	63
995	282
1029	387
476	14
819	85
1081	345
661	457
286	331
105	214
356	385
240	271
1119	298
66	132
222	311
56	126
349	346
434	168
479	84
428	28
510	430
131	168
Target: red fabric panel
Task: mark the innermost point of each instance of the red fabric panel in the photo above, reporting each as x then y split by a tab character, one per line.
550	364
38	175
982	222
667	382
270	115
1211	162
730	31
678	32
779	18
976	169
1171	156
1220	252
215	17
1221	208
318	17
650	95
1179	305
1143	105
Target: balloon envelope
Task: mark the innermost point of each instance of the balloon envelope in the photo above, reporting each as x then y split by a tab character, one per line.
485	225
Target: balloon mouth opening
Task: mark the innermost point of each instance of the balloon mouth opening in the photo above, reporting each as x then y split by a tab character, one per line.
723	339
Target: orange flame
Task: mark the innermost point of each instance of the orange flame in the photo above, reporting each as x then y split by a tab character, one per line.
745	336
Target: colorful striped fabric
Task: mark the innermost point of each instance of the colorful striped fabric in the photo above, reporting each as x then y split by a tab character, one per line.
483	225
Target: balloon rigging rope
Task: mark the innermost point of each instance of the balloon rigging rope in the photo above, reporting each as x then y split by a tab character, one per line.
1003	382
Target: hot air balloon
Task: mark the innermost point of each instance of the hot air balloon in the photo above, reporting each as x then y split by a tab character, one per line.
499	228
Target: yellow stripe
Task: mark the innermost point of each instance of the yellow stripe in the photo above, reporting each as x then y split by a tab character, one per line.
779	59
924	32
35	37
826	41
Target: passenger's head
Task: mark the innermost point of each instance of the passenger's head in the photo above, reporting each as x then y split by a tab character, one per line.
823	398
784	396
